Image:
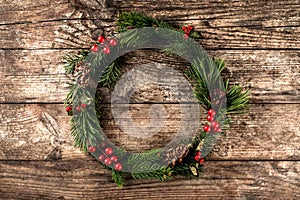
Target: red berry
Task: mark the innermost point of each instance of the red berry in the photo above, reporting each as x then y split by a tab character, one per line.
83	105
78	108
211	112
101	39
107	161
68	109
215	124
197	157
101	157
201	161
106	50
92	149
206	128
186	31
114	158
118	166
113	42
189	27
218	130
183	28
185	36
108	151
210	118
198	153
95	48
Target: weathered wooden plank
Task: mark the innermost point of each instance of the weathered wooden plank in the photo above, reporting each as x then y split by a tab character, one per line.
185	10
223	25
33	11
36	11
41	132
77	179
38	75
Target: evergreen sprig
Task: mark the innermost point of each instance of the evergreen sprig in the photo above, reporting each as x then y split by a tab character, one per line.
72	60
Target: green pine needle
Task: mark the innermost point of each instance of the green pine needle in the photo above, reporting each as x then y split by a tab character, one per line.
72	60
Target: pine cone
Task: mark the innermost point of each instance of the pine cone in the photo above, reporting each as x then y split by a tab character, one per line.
218	97
82	74
175	154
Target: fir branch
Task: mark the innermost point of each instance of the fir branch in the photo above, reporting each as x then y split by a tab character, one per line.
162	174
111	74
117	177
138	20
127	21
72	60
237	100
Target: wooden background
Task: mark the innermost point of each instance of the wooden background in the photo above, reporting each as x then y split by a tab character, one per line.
259	157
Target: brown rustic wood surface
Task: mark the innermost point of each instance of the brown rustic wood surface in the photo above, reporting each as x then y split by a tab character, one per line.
259	158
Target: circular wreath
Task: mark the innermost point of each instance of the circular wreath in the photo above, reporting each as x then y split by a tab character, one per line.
101	65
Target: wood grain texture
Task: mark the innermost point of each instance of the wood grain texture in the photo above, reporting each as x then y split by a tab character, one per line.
77	179
41	132
258	158
223	25
38	75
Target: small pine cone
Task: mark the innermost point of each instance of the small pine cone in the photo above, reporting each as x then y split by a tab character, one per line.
175	154
82	75
218	97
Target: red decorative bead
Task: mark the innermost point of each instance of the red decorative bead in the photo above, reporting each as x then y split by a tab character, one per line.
83	105
118	166
218	130
78	108
206	128
197	157
95	48
187	31
114	158
92	149
190	27
101	39
101	157
211	112
106	50
107	161
210	118
68	109
215	124
201	161
113	42
108	151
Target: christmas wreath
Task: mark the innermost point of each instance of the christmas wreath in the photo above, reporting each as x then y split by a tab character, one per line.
101	66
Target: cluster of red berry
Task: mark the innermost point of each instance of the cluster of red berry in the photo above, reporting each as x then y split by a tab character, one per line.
215	126
78	108
198	157
106	157
187	30
105	43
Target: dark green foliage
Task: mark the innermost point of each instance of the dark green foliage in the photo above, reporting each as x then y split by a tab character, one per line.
117	177
138	20
72	60
132	20
111	74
